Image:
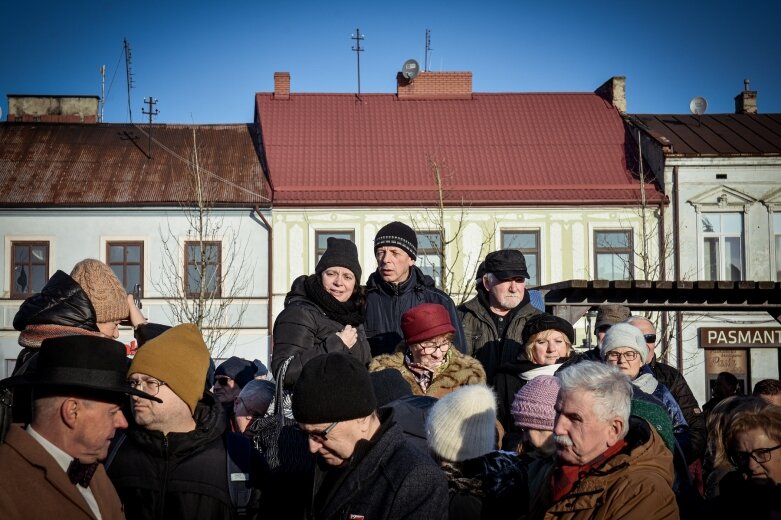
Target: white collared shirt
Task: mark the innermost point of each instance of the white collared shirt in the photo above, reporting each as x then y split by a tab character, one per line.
64	460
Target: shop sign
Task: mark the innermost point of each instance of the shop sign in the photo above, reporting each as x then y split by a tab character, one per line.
748	337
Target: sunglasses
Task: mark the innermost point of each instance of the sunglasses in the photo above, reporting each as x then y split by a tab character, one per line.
223	381
650	338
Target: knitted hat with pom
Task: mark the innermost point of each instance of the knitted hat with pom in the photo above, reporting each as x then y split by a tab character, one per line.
462	425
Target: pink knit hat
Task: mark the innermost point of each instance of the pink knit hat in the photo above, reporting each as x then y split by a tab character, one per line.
533	406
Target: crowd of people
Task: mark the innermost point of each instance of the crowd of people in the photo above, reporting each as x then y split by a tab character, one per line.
383	400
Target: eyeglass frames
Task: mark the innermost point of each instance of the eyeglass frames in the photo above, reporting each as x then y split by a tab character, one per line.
429	347
321	435
221	380
616	356
760	456
150	386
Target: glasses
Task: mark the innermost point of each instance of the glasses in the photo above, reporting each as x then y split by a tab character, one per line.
150	386
429	347
760	456
649	338
322	435
221	380
616	356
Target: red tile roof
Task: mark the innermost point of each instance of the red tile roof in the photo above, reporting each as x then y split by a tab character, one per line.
497	149
94	165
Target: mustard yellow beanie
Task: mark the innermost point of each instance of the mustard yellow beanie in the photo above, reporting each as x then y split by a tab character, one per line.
180	358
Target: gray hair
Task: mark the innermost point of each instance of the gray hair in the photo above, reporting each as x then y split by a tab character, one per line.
256	396
611	389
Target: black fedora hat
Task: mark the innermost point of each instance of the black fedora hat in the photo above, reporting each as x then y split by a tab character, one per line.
84	363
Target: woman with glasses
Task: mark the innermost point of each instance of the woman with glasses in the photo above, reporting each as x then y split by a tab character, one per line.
426	358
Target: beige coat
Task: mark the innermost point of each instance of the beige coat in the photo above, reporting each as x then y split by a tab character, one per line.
35	486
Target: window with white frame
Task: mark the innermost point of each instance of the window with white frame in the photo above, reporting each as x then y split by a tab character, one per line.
431	256
203	265
777	233
528	243
321	240
613	254
722	246
29	268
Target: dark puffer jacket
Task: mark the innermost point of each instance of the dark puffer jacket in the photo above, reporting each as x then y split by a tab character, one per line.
385	303
303	330
492	486
181	475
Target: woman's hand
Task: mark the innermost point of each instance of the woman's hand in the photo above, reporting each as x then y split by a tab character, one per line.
348	335
136	318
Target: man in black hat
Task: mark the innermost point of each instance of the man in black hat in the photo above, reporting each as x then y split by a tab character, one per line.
398	285
494	319
49	468
365	466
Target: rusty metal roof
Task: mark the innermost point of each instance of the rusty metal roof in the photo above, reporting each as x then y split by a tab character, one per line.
495	149
95	165
714	135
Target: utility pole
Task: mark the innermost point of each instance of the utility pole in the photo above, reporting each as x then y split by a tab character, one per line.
358	50
150	102
129	76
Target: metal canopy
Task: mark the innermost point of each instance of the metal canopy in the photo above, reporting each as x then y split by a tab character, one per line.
574	298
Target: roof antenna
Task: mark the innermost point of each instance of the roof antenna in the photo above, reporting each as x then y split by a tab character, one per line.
357	48
151	113
129	76
428	50
102	102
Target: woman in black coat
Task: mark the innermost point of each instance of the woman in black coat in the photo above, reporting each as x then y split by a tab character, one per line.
324	312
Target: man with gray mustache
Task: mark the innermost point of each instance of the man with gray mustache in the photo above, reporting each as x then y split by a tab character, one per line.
607	465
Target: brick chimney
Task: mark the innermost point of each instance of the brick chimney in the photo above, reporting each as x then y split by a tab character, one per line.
52	109
614	92
281	85
435	85
746	101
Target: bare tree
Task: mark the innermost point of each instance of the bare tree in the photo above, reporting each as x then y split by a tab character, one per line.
206	274
458	269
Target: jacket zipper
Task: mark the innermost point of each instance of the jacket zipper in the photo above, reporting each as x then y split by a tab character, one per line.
164	484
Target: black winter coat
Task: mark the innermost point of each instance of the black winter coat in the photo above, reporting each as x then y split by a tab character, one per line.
385	303
181	475
386	479
303	330
61	302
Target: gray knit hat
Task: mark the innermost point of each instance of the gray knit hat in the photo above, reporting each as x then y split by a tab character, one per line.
626	336
462	425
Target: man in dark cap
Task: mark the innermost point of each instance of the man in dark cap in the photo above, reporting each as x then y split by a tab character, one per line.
398	285
365	467
494	319
50	467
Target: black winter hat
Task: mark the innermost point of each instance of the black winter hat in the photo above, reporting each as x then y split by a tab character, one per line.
333	387
544	321
240	370
389	385
506	264
399	235
340	253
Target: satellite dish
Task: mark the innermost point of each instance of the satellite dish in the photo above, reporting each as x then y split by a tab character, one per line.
698	105
410	69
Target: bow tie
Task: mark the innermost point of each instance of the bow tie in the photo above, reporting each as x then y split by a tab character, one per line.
80	473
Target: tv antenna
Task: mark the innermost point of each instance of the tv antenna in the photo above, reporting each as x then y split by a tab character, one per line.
410	69
358	50
150	102
102	92
428	49
129	75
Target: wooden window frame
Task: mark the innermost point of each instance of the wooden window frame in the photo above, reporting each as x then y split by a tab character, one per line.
29	244
440	252
629	250
525	250
124	264
206	243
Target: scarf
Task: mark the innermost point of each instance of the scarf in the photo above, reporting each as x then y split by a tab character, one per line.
565	477
424	375
347	313
33	335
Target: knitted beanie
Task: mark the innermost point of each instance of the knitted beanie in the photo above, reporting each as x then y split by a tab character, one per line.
533	406
425	321
389	385
462	425
240	370
340	253
398	234
544	321
103	288
333	387
180	358
657	417
624	335
610	315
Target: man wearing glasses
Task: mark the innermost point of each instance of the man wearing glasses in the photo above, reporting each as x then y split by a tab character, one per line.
365	467
173	463
672	378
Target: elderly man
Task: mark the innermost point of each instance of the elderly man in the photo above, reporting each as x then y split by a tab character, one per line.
607	465
672	378
50	468
397	286
494	319
365	467
175	463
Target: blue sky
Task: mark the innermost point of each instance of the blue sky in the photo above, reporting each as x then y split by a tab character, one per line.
204	61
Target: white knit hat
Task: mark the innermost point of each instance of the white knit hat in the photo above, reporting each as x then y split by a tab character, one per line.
462	425
624	335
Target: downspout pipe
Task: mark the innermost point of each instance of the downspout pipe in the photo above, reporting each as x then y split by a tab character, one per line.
677	267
